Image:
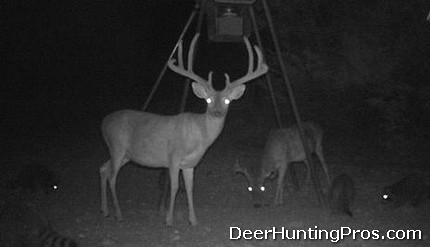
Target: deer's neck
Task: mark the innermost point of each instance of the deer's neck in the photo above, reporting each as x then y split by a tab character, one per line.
212	126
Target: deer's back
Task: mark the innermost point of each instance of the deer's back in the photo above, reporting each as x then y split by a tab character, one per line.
128	125
285	144
152	139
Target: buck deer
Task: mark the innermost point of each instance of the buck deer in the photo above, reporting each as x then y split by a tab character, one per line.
175	142
283	147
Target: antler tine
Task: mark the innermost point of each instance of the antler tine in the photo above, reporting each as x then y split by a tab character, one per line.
180	69
261	69
251	57
191	60
191	52
180	59
209	81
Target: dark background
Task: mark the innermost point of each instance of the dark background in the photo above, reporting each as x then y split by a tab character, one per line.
360	68
69	64
72	63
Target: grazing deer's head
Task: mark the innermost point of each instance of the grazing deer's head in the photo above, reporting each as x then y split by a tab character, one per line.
284	147
218	101
255	185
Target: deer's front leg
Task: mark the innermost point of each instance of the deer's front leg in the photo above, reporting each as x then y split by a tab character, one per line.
308	168
188	175
279	198
104	171
174	175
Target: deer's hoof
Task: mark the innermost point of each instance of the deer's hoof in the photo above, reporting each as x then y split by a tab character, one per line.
119	218
194	222
169	221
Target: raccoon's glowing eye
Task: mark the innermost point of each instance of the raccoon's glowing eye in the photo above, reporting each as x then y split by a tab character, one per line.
209	100
55	187
226	101
262	188
385	196
249	188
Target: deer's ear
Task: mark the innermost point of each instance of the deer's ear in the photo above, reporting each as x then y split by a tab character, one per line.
237	92
200	90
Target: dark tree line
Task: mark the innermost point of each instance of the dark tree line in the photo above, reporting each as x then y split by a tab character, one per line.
362	62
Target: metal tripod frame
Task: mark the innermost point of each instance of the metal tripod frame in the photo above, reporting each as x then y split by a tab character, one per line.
197	8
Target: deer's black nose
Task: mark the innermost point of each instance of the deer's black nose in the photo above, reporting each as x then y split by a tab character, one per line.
257	205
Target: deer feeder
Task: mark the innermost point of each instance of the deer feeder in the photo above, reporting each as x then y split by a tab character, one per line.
227	20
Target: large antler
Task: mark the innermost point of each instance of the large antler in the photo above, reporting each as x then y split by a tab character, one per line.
261	69
188	72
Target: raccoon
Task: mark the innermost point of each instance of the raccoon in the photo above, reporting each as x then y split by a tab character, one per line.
341	195
23	224
32	177
409	190
47	237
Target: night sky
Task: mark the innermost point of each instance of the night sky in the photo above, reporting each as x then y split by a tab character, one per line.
73	63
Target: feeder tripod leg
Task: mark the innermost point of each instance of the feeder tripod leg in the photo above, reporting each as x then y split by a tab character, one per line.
268	79
188	81
163	71
317	185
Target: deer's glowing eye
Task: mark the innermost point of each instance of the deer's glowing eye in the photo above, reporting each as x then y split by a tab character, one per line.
385	196
55	187
227	101
249	188
209	100
262	188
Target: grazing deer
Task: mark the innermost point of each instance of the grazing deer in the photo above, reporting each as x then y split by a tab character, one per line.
175	142
255	185
283	147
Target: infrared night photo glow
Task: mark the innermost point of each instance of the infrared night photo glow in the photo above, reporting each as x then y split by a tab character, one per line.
215	123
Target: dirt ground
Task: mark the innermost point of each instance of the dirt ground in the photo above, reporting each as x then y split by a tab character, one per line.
221	198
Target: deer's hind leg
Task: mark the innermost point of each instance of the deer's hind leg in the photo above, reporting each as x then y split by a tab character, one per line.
308	171
164	186
319	153
279	197
109	173
174	185
104	170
